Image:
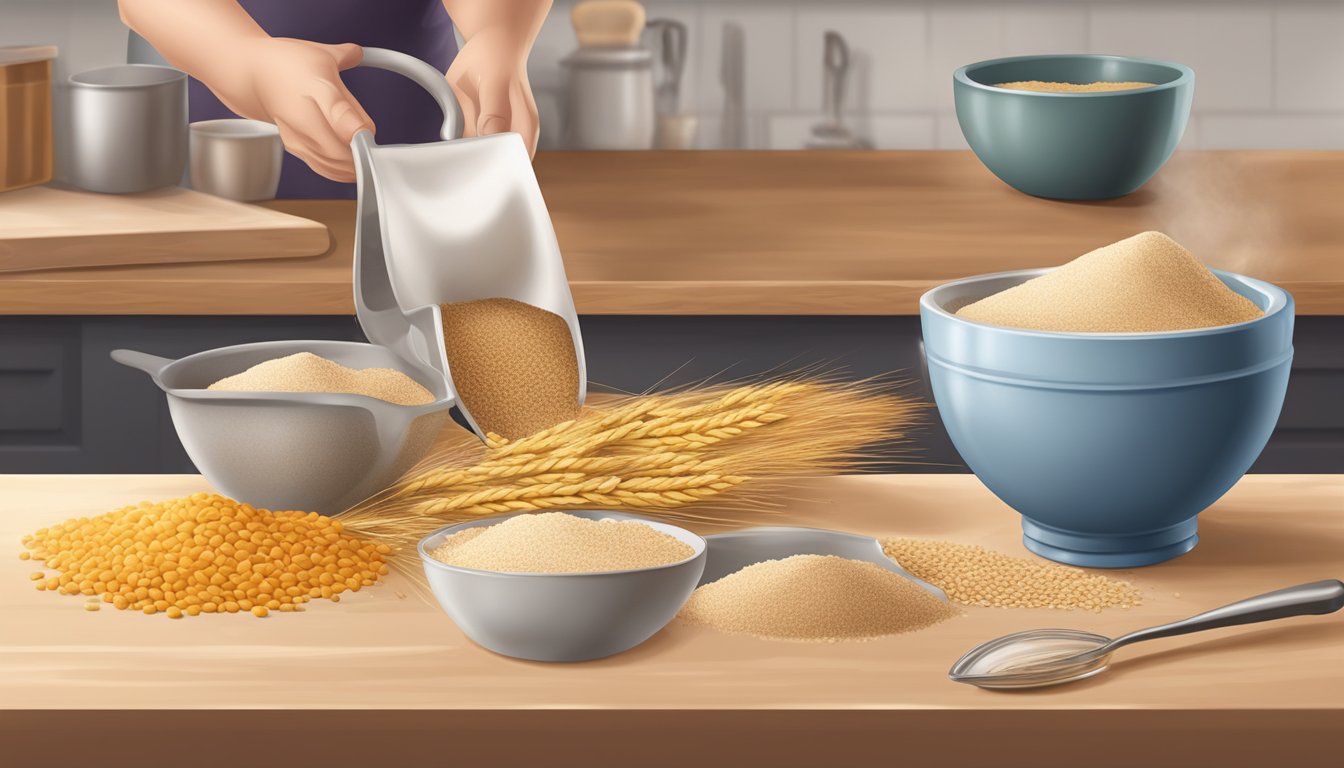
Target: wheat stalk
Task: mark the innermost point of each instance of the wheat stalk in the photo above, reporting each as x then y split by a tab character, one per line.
657	454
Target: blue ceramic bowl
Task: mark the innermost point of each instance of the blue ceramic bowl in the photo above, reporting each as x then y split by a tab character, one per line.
1108	444
1073	146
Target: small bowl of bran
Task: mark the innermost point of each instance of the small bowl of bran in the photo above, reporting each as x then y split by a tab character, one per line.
562	586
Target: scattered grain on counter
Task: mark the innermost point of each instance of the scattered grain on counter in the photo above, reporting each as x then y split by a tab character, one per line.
205	554
819	598
1144	283
1053	87
513	365
306	372
972	575
554	542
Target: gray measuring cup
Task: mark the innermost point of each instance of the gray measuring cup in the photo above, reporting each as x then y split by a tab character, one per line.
310	451
733	551
449	221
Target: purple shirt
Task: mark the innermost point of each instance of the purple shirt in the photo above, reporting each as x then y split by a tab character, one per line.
403	112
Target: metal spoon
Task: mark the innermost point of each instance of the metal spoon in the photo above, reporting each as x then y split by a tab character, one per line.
1040	657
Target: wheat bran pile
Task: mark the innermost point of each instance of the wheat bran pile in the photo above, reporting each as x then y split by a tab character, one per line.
513	365
817	598
972	575
306	372
1144	283
554	542
1051	87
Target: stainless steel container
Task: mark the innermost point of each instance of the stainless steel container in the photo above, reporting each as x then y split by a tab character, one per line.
128	128
610	99
238	159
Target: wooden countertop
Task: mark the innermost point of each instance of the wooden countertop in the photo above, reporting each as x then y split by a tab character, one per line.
819	233
380	674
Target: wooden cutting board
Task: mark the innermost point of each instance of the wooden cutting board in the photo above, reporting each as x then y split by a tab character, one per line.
55	228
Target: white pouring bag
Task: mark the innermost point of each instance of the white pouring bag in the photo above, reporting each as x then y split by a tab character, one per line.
448	221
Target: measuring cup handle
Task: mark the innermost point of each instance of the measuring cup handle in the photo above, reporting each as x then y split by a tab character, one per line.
428	78
141	361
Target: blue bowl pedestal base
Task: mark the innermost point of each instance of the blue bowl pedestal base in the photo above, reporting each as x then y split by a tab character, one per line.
1091	550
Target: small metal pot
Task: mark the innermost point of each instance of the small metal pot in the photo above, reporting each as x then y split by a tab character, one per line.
128	128
610	99
238	159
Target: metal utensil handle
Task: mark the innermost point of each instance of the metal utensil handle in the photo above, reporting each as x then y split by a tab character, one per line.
835	58
674	47
1318	597
427	77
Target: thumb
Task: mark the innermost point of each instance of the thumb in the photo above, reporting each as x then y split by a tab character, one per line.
346	55
493	101
345	114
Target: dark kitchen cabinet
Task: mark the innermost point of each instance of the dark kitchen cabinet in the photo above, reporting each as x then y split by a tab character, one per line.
66	407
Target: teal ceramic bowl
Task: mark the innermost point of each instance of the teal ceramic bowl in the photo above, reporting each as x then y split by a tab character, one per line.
1074	146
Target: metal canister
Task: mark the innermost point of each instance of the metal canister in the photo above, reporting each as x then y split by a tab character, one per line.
128	129
610	99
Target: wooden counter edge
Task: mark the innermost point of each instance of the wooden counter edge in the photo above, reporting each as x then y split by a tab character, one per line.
648	738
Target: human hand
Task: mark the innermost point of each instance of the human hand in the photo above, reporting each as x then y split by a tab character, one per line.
297	86
489	77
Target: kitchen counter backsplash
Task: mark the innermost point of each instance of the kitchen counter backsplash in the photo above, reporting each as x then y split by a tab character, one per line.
1269	71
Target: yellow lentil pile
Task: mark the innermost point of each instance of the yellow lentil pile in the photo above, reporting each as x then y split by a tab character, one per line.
1052	87
554	542
972	575
204	554
818	598
1143	283
306	372
513	365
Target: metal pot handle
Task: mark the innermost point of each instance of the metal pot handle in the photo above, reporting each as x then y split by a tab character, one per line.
427	77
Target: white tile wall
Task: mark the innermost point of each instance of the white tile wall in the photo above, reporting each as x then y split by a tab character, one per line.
768	54
887	131
947	133
1270	72
1228	44
1309	57
1045	28
887	54
88	35
958	34
1233	131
